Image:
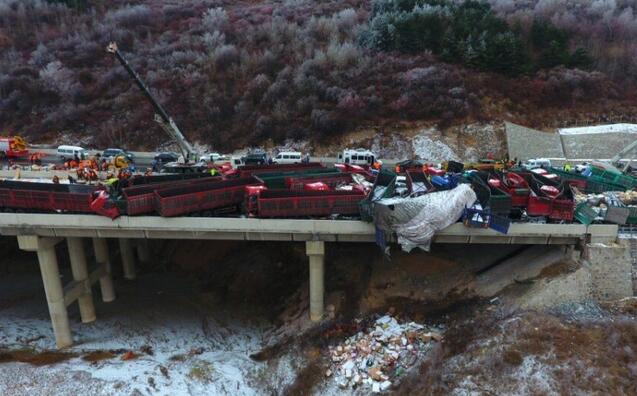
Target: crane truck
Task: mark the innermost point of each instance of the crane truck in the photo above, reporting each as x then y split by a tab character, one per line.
189	160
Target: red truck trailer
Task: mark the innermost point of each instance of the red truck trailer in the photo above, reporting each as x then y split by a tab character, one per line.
45	197
287	203
516	186
202	198
140	199
245	171
559	206
331	179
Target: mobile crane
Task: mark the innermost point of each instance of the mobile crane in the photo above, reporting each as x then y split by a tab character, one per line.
190	162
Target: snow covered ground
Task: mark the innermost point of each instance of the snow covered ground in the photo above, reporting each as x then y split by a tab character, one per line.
183	341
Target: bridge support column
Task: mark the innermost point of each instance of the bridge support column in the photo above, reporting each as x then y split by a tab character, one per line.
316	253
100	246
80	275
45	248
128	258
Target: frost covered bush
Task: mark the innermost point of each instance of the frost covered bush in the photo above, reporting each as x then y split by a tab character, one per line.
233	74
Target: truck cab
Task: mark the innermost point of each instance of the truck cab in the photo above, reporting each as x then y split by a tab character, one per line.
236	162
361	157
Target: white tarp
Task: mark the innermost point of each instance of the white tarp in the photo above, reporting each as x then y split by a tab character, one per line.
416	220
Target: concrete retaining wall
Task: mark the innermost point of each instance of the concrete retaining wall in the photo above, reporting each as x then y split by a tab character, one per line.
611	270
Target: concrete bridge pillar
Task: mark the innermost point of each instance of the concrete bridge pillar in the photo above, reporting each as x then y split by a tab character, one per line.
128	258
316	253
100	246
80	275
45	248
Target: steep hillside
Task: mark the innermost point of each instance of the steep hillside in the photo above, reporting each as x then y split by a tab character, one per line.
235	73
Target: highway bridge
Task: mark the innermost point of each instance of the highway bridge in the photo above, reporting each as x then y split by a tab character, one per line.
41	233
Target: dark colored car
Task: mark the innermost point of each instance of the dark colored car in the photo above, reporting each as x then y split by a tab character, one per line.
114	152
164	158
255	159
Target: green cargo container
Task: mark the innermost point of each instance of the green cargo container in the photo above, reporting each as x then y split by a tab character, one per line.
585	214
596	185
628	182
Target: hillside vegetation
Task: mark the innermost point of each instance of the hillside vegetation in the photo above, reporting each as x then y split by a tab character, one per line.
233	73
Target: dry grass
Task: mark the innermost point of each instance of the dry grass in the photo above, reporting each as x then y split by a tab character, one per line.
567	357
35	358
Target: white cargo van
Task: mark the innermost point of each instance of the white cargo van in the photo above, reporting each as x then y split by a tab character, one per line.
288	157
69	152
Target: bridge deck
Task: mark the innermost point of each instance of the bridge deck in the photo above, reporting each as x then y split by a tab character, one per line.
154	227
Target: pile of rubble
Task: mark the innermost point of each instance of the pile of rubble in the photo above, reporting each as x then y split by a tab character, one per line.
613	207
378	356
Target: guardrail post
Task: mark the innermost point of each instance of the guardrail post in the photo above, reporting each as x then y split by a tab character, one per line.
45	248
102	257
315	250
80	274
128	258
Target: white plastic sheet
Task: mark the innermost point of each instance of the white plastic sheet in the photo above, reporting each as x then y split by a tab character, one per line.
416	220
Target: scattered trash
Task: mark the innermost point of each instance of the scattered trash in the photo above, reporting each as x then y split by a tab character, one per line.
377	356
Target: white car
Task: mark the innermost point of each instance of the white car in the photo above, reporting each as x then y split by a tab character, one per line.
212	157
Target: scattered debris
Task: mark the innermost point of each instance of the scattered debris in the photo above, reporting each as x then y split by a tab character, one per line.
147	349
378	356
588	310
130	355
164	371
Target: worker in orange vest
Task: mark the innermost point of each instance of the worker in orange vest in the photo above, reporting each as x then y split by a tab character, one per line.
92	175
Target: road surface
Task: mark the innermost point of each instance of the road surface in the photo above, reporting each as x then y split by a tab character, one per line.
144	159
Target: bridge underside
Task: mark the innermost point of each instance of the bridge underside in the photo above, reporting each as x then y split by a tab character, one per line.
40	233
